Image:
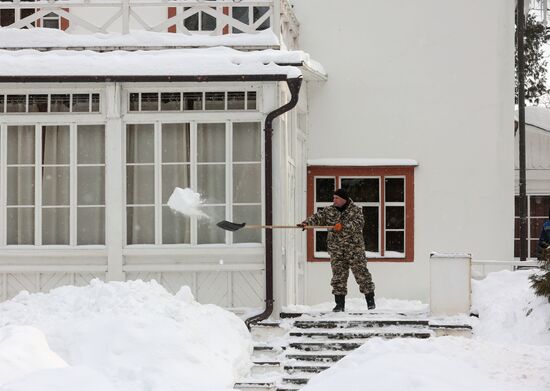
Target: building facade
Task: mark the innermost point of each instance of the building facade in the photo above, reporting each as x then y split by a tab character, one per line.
88	158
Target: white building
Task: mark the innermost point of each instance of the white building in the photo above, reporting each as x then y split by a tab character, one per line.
415	119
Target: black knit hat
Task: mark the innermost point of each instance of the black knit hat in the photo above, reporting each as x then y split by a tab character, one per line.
342	194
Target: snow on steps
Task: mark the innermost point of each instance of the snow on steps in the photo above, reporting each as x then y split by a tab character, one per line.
288	353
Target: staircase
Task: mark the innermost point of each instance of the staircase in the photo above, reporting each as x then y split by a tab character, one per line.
289	352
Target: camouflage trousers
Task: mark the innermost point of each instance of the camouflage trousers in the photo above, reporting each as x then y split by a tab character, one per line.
340	273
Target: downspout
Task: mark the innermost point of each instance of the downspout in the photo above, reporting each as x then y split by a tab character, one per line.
294	87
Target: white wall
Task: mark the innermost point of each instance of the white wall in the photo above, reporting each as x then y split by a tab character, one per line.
429	81
537	155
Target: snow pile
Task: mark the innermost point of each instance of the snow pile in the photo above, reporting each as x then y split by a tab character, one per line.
509	311
124	336
186	201
445	363
52	38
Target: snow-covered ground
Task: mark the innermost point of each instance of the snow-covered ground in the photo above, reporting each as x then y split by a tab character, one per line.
124	336
510	349
136	336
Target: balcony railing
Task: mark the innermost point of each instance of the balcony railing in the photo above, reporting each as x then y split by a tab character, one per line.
212	17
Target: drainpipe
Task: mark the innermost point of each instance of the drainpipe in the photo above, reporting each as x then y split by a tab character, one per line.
294	87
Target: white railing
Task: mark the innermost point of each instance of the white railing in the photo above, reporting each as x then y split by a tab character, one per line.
212	17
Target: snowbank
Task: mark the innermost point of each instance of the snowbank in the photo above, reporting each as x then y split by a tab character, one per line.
509	311
128	336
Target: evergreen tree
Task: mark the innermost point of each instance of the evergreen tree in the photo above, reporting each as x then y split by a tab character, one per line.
536	36
541	281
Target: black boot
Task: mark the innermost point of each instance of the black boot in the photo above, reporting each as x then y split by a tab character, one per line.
340	303
370	301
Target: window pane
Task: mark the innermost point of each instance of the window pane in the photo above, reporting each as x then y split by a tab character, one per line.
251	100
395	217
516	248
241	14
516	228
247	183
91	144
170	101
371	228
20	186
540	206
249	214
192	22
140	185
516	206
95	103
81	103
55	145
208	22
16	103
60	103
55	186
149	101
176	144
395	241
235	100
20	225
134	101
91	186
209	233
533	248
174	176
258	13
321	241
362	189
192	100
1	101
176	228
215	101
21	144
247	142
140	227
38	103
211	183
536	226
324	189
140	143
211	143
55	226
90	226
395	189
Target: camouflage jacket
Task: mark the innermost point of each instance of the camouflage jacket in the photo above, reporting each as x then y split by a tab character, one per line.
349	241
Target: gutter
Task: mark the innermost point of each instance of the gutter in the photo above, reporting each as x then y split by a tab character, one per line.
140	78
294	87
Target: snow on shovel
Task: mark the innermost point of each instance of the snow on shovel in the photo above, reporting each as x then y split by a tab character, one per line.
229	226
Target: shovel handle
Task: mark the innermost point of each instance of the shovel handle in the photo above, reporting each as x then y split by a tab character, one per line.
290	226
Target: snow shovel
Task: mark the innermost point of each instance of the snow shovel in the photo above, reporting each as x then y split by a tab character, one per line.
229	226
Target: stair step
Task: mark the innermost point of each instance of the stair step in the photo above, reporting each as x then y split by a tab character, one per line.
330	324
318	346
305	368
376	312
360	335
316	357
295	380
254	385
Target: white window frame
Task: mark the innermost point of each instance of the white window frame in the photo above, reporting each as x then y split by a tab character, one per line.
38	207
206	118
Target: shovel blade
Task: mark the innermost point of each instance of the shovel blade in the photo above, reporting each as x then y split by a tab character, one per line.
229	226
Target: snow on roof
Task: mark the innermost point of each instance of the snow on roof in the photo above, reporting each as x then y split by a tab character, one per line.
51	38
537	116
362	162
167	62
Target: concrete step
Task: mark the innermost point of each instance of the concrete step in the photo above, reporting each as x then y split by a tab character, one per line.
324	346
363	323
266	331
302	368
255	386
343	335
318	357
368	313
266	367
295	380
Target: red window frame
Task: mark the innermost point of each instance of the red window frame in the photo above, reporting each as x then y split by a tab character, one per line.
346	171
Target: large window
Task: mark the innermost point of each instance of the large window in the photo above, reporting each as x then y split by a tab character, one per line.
537	214
386	197
54	185
219	160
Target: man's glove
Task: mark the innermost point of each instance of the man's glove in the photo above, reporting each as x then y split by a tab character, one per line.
337	227
302	225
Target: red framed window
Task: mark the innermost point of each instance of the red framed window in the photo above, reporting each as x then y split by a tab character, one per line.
537	213
386	196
